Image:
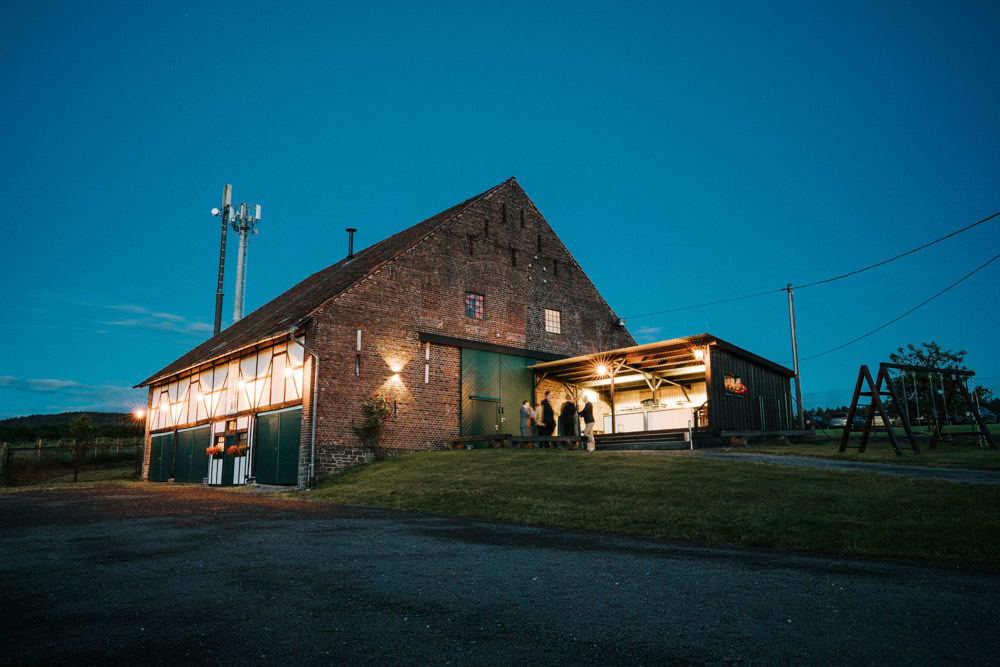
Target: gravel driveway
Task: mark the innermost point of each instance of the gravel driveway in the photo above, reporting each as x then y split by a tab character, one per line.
167	574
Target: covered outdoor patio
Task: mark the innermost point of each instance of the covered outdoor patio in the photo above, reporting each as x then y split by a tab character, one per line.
694	390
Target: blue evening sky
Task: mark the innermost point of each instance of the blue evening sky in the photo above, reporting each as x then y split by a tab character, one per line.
685	152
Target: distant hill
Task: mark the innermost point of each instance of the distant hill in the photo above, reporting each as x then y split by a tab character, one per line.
53	427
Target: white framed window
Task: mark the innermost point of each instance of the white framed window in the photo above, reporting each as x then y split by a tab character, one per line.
553	321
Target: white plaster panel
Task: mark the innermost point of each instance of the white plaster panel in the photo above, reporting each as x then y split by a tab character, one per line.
295	354
278	379
232	387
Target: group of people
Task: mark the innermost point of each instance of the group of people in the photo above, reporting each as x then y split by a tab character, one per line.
541	420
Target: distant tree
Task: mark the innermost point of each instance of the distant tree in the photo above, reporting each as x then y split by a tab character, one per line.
929	355
60	426
921	391
82	430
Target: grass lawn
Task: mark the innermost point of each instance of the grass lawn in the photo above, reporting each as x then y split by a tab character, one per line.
955	454
690	498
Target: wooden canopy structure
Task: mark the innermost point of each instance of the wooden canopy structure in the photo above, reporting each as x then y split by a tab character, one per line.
737	391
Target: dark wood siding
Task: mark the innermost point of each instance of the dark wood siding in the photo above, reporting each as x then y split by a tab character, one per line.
765	405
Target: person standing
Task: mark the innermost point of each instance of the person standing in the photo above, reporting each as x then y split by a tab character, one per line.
587	413
526	414
548	415
568	422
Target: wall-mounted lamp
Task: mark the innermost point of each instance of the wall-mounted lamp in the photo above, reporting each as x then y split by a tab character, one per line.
699	354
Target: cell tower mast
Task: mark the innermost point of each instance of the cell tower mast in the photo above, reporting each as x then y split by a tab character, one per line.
227	197
243	224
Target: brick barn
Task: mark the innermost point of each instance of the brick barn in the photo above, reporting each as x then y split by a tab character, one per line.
444	319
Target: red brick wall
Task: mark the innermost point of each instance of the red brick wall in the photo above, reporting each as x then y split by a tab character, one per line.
520	271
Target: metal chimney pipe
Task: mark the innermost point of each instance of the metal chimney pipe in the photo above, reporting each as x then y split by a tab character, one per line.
350	241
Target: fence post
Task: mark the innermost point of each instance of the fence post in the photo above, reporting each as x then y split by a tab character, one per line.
38	456
76	459
3	462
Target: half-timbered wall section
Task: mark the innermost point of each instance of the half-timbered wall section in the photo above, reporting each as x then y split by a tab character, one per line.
263	379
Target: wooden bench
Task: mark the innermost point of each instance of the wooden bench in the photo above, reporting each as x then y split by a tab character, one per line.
516	441
561	441
478	441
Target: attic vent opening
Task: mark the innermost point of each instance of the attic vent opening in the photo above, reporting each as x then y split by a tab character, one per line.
513	256
471	239
503	213
486	227
539	243
522	217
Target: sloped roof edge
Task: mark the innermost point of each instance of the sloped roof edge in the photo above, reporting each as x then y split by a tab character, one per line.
293	307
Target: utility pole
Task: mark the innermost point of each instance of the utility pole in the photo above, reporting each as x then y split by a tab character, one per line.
227	196
795	361
243	224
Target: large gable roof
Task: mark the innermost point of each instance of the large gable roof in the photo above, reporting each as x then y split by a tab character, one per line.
290	309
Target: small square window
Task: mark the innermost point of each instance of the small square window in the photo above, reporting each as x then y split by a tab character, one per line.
553	321
474	306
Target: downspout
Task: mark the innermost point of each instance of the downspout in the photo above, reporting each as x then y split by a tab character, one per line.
315	394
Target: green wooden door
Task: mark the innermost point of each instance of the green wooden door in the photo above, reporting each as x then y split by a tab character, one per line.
493	387
277	447
516	387
191	462
161	457
480	392
228	462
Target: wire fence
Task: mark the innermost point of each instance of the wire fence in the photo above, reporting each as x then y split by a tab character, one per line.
65	461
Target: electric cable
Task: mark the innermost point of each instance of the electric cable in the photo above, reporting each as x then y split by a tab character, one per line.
710	303
919	305
892	259
818	282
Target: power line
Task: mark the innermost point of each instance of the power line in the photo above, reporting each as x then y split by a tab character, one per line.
919	305
892	259
710	303
819	282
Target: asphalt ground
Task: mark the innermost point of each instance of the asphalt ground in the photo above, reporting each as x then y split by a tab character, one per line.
161	574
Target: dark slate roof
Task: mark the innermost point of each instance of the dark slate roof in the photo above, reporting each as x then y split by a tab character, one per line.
289	310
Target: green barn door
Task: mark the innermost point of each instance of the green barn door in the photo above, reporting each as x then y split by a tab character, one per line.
480	392
493	387
517	386
277	447
161	457
191	462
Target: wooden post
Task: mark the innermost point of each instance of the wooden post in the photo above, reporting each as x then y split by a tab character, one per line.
76	460
38	456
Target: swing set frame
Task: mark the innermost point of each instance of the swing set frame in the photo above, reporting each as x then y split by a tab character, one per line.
883	387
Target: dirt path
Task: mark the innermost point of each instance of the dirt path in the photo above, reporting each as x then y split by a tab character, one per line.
161	575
